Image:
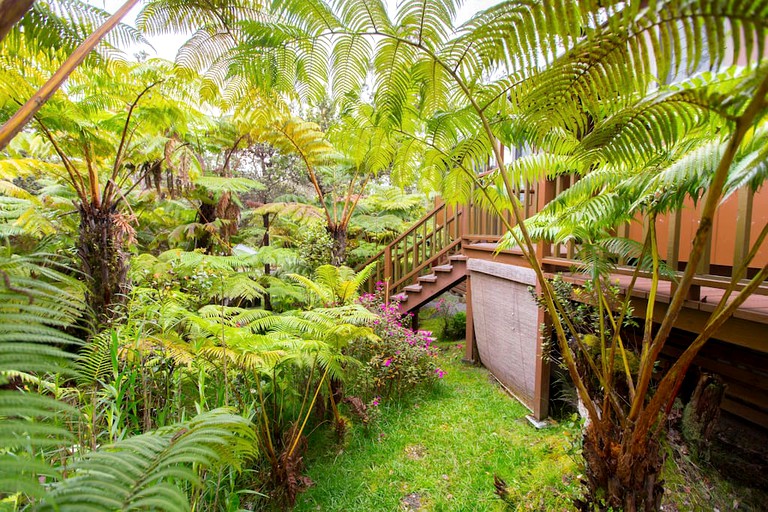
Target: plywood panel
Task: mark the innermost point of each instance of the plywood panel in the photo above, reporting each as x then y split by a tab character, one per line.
506	325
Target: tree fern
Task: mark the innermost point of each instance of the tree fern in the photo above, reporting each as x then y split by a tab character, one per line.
152	470
35	303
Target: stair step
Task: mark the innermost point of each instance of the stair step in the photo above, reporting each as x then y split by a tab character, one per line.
415	288
442	268
457	257
431	278
400	297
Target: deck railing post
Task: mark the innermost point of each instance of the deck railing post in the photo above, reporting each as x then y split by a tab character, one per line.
547	192
388	264
464	224
745	198
470	347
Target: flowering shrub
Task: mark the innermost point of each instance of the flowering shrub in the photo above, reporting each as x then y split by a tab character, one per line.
400	359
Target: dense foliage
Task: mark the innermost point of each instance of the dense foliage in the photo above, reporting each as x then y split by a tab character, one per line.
171	223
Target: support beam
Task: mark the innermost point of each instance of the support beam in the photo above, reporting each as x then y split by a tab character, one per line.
470	343
541	389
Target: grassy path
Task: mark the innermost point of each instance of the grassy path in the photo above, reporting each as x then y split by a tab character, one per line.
440	450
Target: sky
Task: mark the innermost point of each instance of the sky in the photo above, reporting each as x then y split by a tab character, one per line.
166	46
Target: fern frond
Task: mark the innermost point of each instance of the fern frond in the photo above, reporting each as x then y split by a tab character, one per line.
153	470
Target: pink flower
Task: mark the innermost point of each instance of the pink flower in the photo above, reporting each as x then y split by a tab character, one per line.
375	401
440	373
388	362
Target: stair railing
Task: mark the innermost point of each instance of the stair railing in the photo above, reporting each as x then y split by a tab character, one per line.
431	239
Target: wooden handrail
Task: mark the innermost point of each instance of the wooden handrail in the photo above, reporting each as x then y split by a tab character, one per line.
399	238
437	257
409	253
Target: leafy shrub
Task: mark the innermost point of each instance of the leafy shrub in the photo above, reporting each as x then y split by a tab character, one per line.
455	327
315	246
400	359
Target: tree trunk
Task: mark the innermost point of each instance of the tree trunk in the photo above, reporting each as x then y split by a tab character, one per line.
100	248
12	11
339	249
620	475
157	178
267	267
701	414
169	184
205	215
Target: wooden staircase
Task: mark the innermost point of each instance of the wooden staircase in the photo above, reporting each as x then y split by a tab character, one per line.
428	259
443	278
424	261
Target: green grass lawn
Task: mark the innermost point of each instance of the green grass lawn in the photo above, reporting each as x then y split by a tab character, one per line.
439	450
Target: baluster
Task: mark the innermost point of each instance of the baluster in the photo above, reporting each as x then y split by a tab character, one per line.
673	240
404	258
706	255
395	262
527	198
388	266
456	226
743	225
558	190
434	237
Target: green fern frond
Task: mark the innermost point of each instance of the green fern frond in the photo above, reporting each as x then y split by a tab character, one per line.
32	312
153	470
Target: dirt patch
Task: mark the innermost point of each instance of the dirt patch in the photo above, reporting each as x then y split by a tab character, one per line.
411	502
415	452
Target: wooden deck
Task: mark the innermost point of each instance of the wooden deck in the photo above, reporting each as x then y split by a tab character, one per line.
755	308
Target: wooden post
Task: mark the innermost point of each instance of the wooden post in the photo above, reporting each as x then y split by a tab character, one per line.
547	192
470	343
673	245
541	386
743	225
706	254
387	272
465	228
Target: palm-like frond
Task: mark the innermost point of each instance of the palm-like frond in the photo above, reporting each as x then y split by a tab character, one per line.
218	184
64	24
153	470
334	285
35	303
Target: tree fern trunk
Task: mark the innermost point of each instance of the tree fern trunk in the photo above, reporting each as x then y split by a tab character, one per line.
104	264
206	214
621	476
339	249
